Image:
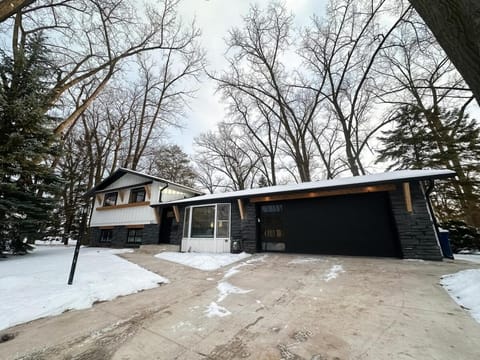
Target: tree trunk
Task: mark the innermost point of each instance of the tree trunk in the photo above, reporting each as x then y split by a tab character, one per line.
456	25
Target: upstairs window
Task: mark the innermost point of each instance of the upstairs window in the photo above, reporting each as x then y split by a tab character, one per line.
137	195
110	199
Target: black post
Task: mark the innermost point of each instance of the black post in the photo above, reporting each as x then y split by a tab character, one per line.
77	246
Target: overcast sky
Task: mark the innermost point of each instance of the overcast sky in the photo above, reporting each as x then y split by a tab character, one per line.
215	18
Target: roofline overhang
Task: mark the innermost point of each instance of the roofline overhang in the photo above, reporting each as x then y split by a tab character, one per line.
118	173
234	194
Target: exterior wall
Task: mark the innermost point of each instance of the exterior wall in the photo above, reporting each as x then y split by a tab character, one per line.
242	230
127	180
416	233
119	236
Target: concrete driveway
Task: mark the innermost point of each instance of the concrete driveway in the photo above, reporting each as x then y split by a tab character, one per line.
276	306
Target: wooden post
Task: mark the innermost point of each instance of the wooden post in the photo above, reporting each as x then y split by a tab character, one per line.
147	191
98	197
177	213
241	207
408	197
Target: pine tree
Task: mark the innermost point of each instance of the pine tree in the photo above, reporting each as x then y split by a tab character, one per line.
27	183
440	139
172	163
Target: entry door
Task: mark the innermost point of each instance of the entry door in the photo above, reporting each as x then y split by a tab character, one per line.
166	225
272	231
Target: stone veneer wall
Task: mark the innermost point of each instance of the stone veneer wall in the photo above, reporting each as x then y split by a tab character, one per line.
416	233
119	236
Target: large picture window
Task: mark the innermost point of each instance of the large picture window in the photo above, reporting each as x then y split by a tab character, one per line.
203	222
207	221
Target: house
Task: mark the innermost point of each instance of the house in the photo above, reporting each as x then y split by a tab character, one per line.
123	215
386	215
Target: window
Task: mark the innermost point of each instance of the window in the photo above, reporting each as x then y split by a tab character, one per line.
137	195
203	221
106	235
110	199
207	221
134	236
223	220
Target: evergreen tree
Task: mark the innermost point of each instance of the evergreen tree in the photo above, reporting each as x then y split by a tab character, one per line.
27	182
171	163
441	139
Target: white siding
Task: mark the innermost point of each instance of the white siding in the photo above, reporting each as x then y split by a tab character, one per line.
134	215
124	216
127	180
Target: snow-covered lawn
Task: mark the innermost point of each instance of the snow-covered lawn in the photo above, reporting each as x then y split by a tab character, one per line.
35	285
202	261
464	288
468	257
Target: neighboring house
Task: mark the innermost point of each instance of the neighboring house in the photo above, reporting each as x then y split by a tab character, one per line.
123	214
373	215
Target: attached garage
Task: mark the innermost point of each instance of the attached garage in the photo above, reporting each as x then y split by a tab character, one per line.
360	224
385	215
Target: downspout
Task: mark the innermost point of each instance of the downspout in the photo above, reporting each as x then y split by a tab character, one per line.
429	190
161	190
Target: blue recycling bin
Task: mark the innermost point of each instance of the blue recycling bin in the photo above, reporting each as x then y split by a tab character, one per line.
445	244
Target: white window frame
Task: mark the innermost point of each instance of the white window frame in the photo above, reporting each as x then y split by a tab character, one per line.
215	221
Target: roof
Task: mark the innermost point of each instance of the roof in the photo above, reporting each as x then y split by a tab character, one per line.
356	181
117	174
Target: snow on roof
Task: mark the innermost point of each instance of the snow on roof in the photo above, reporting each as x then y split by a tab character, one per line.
356	181
122	171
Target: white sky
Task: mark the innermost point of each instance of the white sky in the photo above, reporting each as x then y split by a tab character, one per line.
215	18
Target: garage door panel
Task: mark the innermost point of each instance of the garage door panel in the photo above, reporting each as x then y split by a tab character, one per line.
358	224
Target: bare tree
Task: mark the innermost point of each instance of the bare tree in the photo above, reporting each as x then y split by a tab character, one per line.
421	77
91	40
341	53
226	153
456	26
256	72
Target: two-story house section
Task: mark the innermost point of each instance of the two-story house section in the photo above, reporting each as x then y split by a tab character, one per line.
123	215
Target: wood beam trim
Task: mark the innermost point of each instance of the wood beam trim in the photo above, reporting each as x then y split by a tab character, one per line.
99	197
121	206
177	213
121	195
324	193
134	226
408	197
148	191
241	207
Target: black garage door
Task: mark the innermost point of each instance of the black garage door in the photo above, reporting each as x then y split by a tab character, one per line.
359	224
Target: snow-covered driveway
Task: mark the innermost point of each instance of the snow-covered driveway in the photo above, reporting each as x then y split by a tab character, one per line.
35	285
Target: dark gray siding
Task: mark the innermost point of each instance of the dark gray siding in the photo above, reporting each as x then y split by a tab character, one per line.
415	230
119	236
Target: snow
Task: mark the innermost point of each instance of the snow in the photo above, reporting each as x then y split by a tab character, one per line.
216	310
35	285
464	288
388	177
333	272
468	257
202	261
303	260
225	289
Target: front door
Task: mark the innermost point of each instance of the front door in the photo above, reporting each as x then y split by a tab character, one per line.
271	227
166	225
